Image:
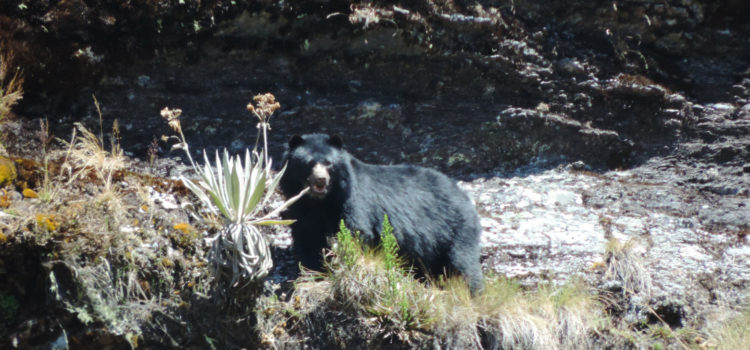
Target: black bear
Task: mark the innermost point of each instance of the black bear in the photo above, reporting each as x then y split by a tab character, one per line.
434	221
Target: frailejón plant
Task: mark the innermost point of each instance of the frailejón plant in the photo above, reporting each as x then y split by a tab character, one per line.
237	191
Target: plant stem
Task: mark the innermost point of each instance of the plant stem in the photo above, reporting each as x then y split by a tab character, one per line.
187	149
264	126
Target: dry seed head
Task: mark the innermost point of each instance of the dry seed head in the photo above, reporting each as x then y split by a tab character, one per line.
172	116
267	97
267	102
266	105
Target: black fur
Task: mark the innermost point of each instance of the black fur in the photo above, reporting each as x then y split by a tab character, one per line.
434	221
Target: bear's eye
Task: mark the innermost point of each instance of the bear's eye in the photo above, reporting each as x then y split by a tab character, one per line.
326	163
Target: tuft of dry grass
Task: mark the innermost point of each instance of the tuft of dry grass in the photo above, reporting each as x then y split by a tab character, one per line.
625	263
511	317
733	333
11	86
86	153
86	159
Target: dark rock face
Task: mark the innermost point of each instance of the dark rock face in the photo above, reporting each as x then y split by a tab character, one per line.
600	69
623	77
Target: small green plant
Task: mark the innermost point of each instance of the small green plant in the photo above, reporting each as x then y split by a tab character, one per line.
237	191
8	308
390	247
348	249
375	281
395	273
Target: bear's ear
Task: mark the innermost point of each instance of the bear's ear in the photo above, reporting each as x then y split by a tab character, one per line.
335	141
295	141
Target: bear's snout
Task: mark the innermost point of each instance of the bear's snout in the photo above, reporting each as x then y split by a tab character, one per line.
318	181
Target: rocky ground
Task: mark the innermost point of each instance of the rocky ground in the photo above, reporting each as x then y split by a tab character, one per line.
575	126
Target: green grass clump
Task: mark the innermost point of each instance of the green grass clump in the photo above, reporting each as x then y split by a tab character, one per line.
375	286
376	282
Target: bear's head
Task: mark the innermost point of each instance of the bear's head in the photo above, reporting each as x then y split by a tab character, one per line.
313	160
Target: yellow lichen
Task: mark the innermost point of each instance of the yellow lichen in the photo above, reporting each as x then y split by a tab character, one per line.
7	171
280	329
133	340
3	238
4	199
46	222
29	193
598	265
183	227
167	262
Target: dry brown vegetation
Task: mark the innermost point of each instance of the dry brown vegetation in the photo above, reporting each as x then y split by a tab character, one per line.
732	333
114	246
11	86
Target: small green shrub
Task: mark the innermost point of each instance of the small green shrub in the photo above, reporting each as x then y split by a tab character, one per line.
375	284
349	249
374	281
8	308
394	272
